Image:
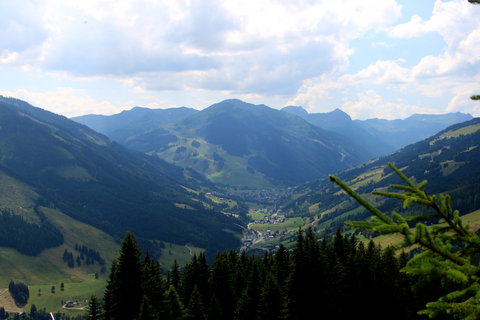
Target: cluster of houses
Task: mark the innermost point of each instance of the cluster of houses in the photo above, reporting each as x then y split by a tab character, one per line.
251	237
265	196
275	218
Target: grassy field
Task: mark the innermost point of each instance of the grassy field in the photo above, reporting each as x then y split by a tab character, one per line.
7	302
48	269
17	198
289	224
202	159
456	133
75	291
256	215
182	254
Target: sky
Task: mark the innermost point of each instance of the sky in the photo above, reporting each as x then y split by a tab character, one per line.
372	59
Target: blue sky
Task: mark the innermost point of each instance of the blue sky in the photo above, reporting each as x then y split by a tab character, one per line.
386	59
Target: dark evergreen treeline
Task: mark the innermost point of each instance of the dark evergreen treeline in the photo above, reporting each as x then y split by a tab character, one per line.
20	293
338	279
68	258
28	238
89	255
85	255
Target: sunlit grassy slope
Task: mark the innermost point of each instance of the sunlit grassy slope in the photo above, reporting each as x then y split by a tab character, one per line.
48	269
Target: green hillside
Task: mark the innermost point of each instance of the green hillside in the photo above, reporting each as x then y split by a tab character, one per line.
340	122
450	161
61	164
47	269
126	124
237	143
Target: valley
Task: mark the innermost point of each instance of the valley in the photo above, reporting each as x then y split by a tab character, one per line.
235	175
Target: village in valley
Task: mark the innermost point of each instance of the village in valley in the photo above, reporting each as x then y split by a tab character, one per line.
264	234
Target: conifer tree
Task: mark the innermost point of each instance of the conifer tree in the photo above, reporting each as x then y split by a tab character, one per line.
214	309
195	309
147	311
296	289
447	248
195	274
270	300
124	292
247	305
221	284
281	265
93	308
174	305
174	276
153	286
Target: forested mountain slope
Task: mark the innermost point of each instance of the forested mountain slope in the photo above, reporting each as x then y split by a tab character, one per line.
380	136
124	126
449	160
238	143
61	164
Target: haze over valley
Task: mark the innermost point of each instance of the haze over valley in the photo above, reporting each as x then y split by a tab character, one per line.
226	159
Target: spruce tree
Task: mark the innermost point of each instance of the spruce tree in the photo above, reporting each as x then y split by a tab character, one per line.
270	299
221	284
174	276
247	305
281	265
195	309
295	284
447	248
175	309
124	292
147	311
153	286
214	309
93	308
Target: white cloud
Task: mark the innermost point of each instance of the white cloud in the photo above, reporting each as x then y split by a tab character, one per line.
382	72
21	25
452	20
461	102
254	49
251	46
450	75
313	92
65	101
371	105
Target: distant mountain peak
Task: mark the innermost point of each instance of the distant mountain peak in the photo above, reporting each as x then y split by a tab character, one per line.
296	110
339	113
336	114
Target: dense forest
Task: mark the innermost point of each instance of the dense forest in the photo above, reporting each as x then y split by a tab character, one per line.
28	238
338	278
341	278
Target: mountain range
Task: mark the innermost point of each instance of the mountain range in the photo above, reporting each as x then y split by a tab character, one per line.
63	184
449	161
381	136
49	161
241	144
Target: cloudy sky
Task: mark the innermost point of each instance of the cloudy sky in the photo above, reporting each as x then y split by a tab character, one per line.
370	58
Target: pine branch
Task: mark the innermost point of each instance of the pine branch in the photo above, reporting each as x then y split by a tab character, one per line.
361	200
453	262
